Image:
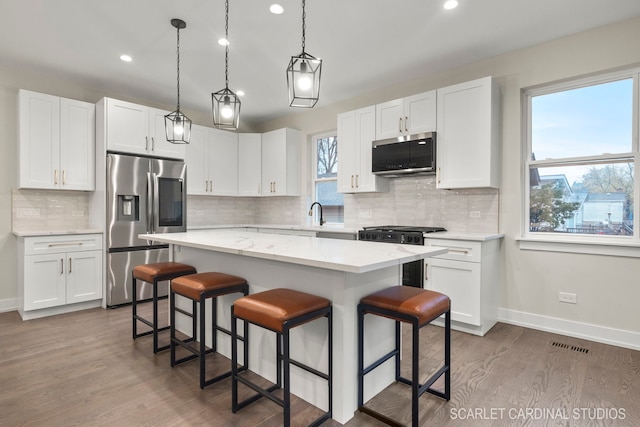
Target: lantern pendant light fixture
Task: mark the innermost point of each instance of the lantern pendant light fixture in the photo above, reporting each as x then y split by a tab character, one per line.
178	126
303	75
226	104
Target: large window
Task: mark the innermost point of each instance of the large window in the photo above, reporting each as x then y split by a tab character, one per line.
581	157
325	178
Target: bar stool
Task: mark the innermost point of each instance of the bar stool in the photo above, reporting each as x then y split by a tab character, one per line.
280	310
154	273
198	288
418	307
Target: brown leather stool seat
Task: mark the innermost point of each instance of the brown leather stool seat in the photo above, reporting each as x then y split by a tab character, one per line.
198	288
280	310
418	307
154	273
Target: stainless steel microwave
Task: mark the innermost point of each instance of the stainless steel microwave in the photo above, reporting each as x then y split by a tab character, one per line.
410	154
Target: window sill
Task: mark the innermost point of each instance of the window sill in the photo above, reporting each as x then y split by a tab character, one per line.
623	246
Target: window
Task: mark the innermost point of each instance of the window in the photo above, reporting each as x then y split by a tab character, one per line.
325	178
581	157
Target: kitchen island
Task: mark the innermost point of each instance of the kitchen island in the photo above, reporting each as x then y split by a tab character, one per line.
340	270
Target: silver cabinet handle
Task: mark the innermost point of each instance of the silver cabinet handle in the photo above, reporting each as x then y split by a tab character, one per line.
64	177
459	251
357	185
438	174
146	143
55	177
426	269
153	144
400	124
211	186
351	181
70	261
51	245
406	120
61	266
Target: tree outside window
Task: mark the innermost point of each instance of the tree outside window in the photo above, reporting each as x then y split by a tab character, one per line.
326	178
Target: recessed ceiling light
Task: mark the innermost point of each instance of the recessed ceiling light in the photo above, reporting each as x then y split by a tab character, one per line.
276	9
223	42
126	58
240	93
450	4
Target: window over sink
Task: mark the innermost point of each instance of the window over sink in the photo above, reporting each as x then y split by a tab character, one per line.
325	178
582	147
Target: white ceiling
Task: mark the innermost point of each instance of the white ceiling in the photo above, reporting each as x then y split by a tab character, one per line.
365	44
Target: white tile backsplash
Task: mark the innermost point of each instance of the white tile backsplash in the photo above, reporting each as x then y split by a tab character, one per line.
50	210
410	201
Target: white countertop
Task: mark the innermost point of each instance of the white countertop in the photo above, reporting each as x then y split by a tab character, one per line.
334	254
35	233
454	235
333	228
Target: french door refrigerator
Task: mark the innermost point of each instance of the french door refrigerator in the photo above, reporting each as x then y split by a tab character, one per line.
144	195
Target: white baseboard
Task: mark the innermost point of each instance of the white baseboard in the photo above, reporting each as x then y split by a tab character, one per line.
601	334
10	304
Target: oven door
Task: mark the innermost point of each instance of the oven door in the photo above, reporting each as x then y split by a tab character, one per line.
413	274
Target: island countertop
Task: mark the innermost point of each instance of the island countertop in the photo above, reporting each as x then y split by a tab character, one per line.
351	256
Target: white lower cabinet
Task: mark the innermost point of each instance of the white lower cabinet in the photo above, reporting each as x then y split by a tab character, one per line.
470	276
58	274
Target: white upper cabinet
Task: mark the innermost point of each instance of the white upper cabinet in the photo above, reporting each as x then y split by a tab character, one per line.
468	135
56	142
249	164
137	129
356	131
406	116
281	162
212	162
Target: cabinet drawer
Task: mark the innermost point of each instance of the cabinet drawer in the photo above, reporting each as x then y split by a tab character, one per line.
460	250
60	244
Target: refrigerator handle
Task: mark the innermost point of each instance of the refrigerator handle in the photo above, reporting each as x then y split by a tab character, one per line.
150	207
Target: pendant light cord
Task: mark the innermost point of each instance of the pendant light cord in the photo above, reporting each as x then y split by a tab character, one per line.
304	25
178	55
226	49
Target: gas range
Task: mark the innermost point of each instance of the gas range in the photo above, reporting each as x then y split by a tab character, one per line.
403	234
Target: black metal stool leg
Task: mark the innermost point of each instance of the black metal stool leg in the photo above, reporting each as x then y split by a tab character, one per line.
287	378
134	308
415	377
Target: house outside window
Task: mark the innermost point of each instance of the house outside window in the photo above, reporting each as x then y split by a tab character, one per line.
581	156
325	178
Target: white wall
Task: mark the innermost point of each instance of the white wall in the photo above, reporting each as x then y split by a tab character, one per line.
607	287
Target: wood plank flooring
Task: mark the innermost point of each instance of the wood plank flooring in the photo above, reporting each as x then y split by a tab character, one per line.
83	369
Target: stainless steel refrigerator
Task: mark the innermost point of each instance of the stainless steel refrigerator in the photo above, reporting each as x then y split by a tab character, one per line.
144	195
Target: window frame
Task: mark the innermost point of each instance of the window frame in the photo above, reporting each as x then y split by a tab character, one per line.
314	171
587	243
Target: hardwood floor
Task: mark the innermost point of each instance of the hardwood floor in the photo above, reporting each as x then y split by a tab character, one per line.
84	369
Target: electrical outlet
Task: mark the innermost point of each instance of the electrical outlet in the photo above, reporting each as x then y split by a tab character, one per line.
567	297
474	214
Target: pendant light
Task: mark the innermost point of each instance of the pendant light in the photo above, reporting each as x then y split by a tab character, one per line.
303	75
226	104
178	126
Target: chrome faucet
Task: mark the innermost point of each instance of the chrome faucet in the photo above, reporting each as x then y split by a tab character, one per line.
311	211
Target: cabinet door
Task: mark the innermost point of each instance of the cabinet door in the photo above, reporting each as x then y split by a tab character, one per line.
77	145
223	163
348	151
127	127
159	146
365	134
197	161
273	161
389	119
39	136
249	164
420	113
44	281
84	276
467	152
460	281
